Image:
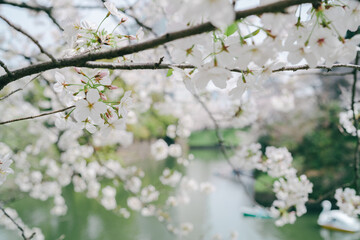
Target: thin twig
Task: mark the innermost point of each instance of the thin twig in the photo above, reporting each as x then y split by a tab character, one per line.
19	89
17	225
46	10
143	25
27	58
3	65
326	74
168	37
328	194
37	116
30	37
223	147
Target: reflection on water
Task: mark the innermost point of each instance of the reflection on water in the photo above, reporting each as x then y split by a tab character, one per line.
218	213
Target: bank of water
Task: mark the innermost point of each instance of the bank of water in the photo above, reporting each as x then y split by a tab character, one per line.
218	213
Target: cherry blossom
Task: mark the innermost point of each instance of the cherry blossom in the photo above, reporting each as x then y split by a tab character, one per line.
159	149
91	107
110	6
5	169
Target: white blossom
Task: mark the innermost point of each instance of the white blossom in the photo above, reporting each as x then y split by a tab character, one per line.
159	150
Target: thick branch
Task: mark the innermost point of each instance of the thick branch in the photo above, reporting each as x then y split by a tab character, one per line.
202	28
36	116
30	37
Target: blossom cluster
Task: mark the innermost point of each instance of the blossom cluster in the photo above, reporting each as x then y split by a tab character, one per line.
290	190
90	37
91	106
255	46
5	162
348	201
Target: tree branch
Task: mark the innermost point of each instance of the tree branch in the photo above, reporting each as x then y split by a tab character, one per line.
154	66
168	37
31	38
36	116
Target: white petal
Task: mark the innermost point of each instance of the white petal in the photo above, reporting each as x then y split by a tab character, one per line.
81	114
59	77
92	96
100	107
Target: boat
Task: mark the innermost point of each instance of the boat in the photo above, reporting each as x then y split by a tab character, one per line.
337	220
256	212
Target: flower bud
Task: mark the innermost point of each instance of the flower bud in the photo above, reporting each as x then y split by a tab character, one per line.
112	87
103	97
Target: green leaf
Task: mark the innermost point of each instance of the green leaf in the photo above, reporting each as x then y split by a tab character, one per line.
231	29
254	33
169	72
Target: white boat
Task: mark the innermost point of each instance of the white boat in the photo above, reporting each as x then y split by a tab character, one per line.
337	220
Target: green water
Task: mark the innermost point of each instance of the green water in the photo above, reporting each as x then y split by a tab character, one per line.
218	213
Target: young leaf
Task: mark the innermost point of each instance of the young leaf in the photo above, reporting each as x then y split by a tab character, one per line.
254	33
231	29
169	72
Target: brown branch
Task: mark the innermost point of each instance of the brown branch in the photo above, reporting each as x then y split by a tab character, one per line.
135	66
154	66
30	37
36	116
118	52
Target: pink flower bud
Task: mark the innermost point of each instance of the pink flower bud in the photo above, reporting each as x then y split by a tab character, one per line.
109	112
79	71
103	97
112	87
100	75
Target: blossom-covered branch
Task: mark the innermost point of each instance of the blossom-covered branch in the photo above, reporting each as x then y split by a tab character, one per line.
168	37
